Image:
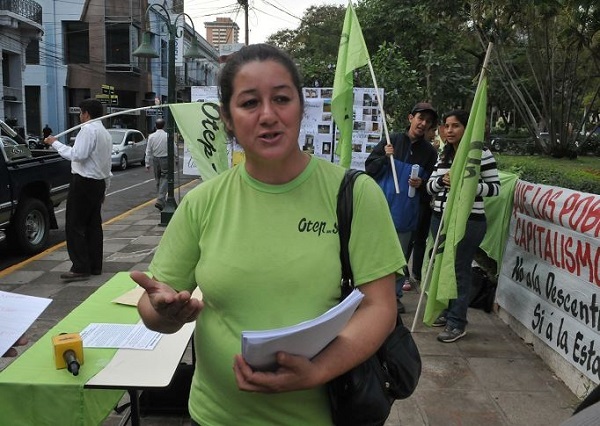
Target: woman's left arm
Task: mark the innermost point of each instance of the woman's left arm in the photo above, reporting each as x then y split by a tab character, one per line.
366	331
489	184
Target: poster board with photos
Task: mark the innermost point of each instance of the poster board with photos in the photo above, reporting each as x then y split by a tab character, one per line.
319	135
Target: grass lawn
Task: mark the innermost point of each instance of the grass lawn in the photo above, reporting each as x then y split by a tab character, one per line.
582	173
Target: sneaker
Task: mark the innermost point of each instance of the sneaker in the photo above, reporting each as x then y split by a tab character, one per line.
450	334
401	308
440	321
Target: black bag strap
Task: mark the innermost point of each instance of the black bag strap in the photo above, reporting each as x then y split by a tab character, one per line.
345	205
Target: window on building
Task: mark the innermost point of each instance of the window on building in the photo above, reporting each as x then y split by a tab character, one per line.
77	42
32	53
33	109
118	43
164	59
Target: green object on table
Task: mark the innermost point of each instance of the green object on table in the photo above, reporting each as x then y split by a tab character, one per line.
34	392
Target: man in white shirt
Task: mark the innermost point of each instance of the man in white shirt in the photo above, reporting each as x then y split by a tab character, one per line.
157	151
90	158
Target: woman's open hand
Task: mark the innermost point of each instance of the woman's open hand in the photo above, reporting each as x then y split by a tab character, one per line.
169	305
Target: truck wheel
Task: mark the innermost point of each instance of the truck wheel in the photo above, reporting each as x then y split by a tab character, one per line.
123	162
30	226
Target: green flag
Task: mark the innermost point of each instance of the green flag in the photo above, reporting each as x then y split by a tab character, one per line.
464	179
202	129
352	54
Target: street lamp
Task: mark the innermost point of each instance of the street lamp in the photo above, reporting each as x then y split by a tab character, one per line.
146	50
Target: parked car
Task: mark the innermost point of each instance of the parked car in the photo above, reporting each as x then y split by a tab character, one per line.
129	147
33	184
35	142
7	141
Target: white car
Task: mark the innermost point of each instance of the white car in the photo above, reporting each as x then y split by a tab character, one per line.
129	147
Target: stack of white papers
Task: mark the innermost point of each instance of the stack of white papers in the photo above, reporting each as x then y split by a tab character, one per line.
17	313
307	338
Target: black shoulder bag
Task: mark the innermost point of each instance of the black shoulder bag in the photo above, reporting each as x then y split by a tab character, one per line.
364	395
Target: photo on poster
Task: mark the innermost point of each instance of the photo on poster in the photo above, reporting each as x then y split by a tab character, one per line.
326	105
326	148
309	144
324	128
360	126
326	93
311	93
373	138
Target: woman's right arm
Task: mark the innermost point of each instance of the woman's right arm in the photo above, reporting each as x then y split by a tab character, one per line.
435	183
162	308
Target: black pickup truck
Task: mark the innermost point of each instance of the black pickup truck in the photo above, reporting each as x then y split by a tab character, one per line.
32	183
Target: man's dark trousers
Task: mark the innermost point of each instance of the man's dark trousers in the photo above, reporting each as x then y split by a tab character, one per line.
83	224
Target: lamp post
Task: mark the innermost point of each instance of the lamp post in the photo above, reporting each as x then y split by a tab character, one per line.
146	50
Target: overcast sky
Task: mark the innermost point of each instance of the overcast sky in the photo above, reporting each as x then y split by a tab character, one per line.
265	17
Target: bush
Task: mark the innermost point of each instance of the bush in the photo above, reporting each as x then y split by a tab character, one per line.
580	174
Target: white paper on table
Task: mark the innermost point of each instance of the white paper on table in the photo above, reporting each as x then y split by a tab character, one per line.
17	313
308	338
121	336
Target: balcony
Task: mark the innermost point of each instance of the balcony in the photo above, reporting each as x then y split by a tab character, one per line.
12	94
27	9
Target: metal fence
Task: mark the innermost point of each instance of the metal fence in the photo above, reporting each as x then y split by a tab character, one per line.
26	8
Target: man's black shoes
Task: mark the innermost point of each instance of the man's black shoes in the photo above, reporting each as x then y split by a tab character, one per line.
74	276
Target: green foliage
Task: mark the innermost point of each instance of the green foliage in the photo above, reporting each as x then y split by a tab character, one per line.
399	81
546	59
314	44
581	174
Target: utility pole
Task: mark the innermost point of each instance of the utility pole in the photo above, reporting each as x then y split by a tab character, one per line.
247	32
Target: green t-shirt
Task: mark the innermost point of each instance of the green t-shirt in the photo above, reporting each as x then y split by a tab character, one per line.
267	256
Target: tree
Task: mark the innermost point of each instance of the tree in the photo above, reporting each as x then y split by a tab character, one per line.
433	37
548	59
314	44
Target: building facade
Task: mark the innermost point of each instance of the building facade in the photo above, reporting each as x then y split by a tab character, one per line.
20	27
83	48
222	31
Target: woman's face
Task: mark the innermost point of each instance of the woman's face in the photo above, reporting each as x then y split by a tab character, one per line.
265	112
453	130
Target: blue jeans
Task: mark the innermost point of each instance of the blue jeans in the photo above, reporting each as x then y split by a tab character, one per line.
456	314
405	238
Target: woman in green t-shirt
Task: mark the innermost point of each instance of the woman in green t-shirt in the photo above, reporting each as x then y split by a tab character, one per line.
260	240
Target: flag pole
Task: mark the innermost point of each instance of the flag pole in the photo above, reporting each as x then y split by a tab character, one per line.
127	111
385	128
486	60
429	271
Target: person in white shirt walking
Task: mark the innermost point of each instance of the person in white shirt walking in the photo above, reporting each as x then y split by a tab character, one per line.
90	169
157	152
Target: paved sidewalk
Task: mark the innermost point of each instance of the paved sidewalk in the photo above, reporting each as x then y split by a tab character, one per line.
490	377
